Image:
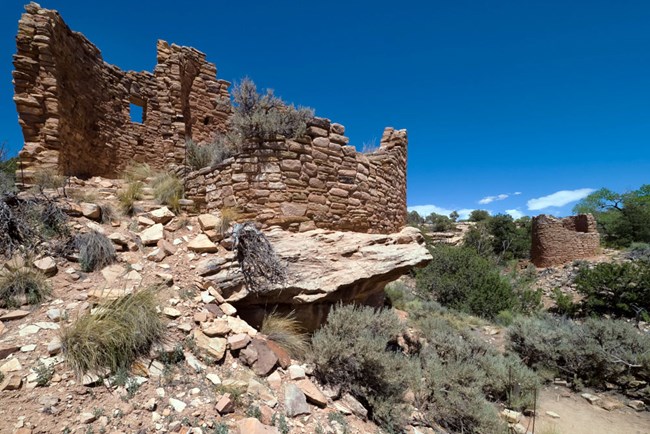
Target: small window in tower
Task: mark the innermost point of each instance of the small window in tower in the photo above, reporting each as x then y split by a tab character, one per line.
137	110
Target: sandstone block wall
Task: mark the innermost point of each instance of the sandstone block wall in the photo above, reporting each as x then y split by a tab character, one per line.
74	108
558	241
318	181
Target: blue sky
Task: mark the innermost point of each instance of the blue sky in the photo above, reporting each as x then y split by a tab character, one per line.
546	99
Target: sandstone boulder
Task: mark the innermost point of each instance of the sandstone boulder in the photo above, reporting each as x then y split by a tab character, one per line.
325	266
91	210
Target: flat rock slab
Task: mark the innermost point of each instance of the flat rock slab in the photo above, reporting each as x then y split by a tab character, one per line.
312	392
202	244
14	315
152	235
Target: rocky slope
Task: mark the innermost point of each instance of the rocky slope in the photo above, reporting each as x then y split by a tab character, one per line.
215	370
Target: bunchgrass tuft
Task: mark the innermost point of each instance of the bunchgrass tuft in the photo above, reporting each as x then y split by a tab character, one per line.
115	335
286	331
168	190
137	172
95	251
109	213
129	195
229	215
23	284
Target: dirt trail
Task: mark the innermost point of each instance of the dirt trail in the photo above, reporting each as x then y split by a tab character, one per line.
577	416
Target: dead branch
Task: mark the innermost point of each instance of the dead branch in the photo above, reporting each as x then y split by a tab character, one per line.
260	266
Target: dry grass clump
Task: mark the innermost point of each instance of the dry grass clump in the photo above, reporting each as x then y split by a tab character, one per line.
129	195
23	284
229	215
115	335
137	172
286	331
95	251
109	213
48	179
168	190
210	154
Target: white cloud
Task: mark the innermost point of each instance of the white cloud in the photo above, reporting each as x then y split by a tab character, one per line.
425	210
516	193
490	199
515	213
559	198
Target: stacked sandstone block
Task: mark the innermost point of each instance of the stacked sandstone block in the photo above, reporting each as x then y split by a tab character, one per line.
316	181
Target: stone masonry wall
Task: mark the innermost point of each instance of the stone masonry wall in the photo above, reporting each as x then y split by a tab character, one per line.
558	241
74	108
317	181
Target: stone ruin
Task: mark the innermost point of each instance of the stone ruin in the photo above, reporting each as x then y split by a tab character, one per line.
557	241
75	113
75	109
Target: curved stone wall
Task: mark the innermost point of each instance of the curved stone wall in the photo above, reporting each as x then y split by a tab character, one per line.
558	241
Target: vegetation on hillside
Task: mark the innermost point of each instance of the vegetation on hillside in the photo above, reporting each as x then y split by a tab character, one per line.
623	218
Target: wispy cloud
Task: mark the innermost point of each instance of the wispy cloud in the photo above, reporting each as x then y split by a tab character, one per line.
515	213
516	193
425	210
559	198
490	199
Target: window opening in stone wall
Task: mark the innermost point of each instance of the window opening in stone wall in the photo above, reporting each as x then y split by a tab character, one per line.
137	109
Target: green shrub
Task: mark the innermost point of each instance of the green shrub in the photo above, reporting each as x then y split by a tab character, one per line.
8	168
611	288
596	352
440	223
95	251
48	179
564	304
478	239
351	351
510	240
461	375
23	284
263	117
168	190
129	195
479	215
461	279
114	335
286	331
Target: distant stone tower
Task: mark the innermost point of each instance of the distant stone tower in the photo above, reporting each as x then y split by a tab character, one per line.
558	241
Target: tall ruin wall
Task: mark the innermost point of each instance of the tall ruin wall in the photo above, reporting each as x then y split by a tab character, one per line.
316	181
558	241
74	108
